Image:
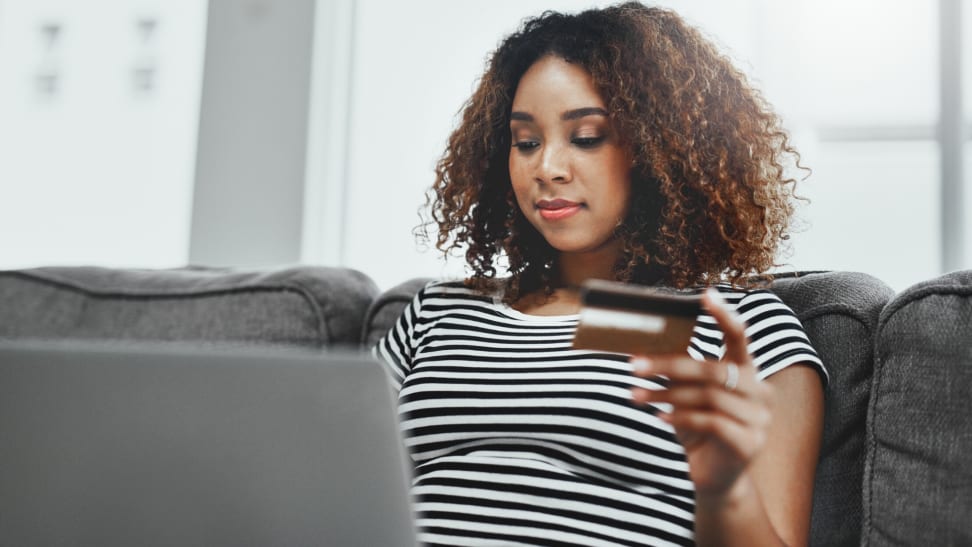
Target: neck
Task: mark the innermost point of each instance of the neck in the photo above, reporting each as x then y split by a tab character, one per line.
575	268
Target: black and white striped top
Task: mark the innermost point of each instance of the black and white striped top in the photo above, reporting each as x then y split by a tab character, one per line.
517	439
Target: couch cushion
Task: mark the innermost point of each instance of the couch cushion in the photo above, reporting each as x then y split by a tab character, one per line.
303	306
840	313
918	482
384	311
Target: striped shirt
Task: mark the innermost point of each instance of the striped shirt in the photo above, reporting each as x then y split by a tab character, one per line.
517	439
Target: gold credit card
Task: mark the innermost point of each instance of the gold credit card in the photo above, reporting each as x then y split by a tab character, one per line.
633	319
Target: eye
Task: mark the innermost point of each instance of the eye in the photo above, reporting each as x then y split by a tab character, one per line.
587	142
525	146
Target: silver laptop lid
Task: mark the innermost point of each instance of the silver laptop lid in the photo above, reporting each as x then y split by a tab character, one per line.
169	445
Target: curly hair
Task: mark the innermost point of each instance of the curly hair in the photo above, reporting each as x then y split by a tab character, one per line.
711	200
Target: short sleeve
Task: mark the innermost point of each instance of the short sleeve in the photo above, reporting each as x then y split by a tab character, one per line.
776	336
396	348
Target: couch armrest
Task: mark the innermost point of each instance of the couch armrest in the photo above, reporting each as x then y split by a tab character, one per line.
918	481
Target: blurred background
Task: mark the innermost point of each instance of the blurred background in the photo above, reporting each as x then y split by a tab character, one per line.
151	133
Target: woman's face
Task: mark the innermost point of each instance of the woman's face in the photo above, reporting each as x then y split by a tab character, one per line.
570	172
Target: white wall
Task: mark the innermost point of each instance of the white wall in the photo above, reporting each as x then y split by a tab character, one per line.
98	171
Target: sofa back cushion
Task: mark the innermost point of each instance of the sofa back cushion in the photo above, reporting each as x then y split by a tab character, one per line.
385	309
919	452
303	306
839	311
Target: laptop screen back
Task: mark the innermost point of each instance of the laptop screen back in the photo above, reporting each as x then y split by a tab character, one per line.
164	445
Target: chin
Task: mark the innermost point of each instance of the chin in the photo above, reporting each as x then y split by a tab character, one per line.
580	243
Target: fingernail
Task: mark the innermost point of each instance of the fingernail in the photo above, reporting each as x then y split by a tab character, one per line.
715	295
640	364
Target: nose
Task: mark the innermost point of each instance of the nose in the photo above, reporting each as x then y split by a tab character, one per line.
554	165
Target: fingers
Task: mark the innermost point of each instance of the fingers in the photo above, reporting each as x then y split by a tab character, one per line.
743	440
721	401
687	370
714	400
700	398
695	388
706	411
732	326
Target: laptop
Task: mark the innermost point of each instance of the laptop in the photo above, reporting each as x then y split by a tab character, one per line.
177	445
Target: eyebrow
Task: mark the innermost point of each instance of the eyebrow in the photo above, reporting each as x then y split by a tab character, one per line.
575	114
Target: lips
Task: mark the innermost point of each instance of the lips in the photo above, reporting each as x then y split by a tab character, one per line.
556	209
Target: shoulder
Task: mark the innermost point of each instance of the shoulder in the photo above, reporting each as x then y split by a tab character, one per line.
451	288
752	303
449	292
776	336
759	308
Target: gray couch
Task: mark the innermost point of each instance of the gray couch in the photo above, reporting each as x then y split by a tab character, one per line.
895	466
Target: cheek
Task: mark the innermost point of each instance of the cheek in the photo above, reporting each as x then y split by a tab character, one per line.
519	181
614	173
622	174
516	168
523	200
623	185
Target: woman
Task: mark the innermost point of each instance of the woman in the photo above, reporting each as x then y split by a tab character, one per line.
612	144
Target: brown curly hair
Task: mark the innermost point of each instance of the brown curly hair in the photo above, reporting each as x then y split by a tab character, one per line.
710	197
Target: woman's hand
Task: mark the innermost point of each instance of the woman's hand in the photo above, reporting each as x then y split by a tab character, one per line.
720	412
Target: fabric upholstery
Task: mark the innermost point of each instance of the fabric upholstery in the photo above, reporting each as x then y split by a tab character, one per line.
304	306
384	311
918	481
839	311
